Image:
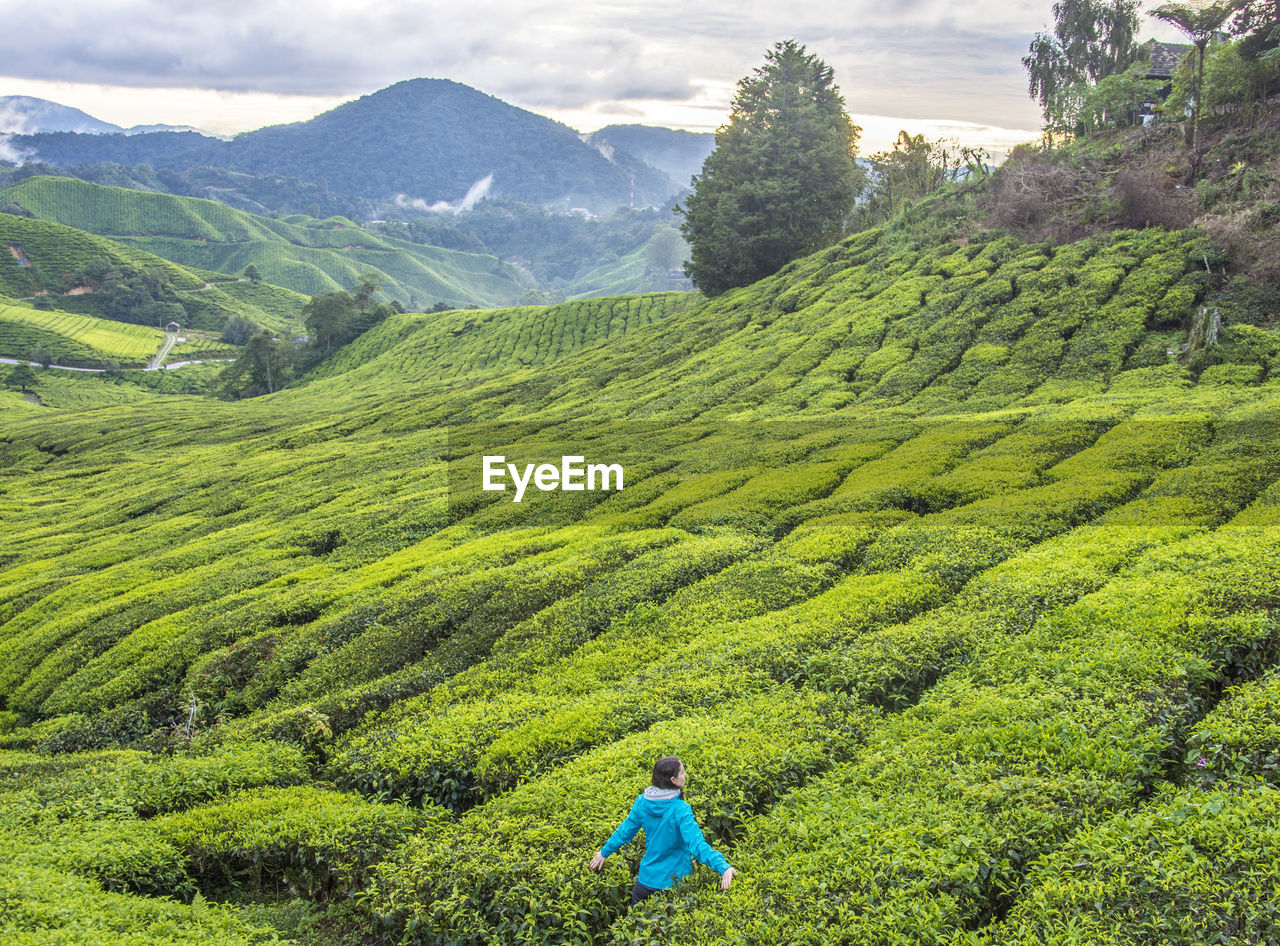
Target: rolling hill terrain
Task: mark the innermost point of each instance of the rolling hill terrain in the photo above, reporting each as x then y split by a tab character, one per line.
42	261
312	256
951	581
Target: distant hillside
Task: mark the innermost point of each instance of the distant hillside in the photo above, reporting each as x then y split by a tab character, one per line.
678	154
428	140
38	260
71	339
310	256
26	115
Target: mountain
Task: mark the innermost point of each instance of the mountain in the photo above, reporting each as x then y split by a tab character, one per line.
422	142
678	154
22	114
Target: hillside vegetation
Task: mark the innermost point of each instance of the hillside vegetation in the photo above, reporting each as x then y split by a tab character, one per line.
71	339
45	263
319	258
944	563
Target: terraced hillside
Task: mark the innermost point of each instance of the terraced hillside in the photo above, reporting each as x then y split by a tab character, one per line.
37	258
71	339
954	590
316	259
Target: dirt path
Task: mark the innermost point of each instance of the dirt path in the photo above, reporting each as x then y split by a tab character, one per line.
151	367
33	398
158	361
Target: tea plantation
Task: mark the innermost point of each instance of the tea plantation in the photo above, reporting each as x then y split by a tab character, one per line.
323	257
954	587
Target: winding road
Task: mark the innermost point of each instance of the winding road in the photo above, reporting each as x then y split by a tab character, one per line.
156	363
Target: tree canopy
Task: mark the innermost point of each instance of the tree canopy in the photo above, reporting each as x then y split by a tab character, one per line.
1091	39
1200	22
782	178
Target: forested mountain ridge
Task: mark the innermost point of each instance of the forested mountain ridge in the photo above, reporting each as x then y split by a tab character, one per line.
428	140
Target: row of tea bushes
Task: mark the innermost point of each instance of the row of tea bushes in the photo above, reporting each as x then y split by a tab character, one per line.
933	827
1188	867
515	869
529	645
315	842
45	906
459	753
76	786
443	738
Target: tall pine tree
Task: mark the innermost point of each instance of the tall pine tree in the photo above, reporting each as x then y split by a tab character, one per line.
782	178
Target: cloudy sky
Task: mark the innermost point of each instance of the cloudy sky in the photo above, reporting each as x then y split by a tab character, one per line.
930	66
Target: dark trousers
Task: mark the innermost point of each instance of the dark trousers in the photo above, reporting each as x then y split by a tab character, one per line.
640	892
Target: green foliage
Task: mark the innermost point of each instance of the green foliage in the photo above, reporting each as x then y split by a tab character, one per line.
1187	868
1115	101
782	178
238	329
939	583
1232	82
319	843
914	168
21	378
1200	23
314	259
70	339
1092	39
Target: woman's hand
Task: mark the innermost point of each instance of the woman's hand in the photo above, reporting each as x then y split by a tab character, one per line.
727	878
597	862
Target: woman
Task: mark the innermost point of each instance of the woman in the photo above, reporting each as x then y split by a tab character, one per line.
672	836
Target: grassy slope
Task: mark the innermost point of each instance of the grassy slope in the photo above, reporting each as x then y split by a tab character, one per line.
72	339
53	250
932	563
321	258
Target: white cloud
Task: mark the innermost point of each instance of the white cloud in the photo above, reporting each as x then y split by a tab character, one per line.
912	58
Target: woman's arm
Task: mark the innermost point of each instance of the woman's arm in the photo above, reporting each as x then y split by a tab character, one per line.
702	851
624	835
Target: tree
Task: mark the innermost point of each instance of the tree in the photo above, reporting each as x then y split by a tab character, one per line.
1199	22
911	170
238	329
265	366
22	378
1091	39
782	178
251	273
1117	100
665	250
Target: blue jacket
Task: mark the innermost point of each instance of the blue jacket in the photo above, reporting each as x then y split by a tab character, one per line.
671	838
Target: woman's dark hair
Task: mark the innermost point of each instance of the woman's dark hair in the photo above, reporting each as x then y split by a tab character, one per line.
665	770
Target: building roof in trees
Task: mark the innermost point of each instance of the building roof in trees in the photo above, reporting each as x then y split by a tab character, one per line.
1164	57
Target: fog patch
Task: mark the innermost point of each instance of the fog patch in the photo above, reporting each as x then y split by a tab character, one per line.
12	153
477	192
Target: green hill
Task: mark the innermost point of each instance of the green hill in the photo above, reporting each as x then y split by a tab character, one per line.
314	259
72	339
954	589
38	258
